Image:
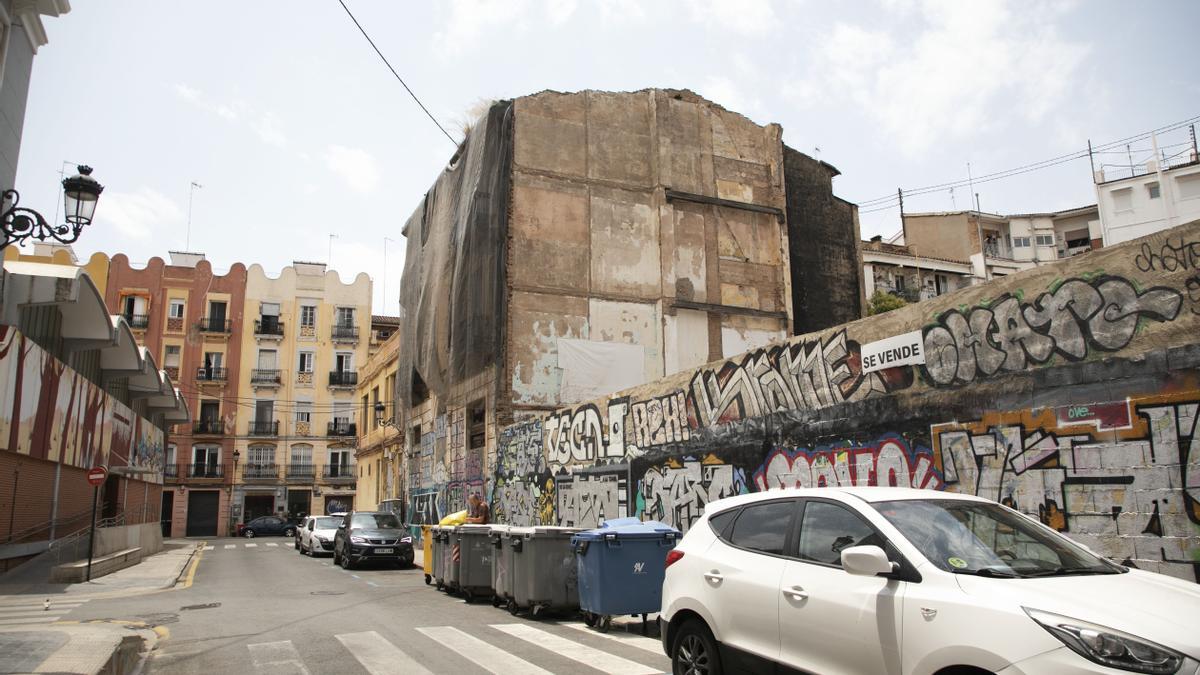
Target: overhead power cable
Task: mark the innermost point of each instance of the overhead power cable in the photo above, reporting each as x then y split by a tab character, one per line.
400	79
1027	168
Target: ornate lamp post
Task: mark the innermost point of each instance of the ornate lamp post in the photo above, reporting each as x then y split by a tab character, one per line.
380	418
80	194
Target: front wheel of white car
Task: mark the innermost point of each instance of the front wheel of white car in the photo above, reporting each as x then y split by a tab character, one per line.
695	651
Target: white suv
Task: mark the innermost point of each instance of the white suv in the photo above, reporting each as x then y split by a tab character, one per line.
894	580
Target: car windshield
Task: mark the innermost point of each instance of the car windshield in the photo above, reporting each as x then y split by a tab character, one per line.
327	523
375	521
986	539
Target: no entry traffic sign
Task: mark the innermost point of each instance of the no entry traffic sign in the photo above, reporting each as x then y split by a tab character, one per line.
96	475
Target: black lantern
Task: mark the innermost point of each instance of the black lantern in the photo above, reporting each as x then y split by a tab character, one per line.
80	194
380	419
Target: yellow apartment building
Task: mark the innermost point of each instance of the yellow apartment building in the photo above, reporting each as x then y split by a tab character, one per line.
379	441
305	335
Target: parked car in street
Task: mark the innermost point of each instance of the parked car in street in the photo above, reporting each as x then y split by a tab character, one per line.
372	536
315	535
266	526
897	580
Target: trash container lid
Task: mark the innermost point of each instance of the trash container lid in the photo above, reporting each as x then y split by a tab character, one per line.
555	529
475	528
629	528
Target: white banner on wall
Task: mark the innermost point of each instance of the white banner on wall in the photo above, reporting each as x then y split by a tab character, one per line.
899	350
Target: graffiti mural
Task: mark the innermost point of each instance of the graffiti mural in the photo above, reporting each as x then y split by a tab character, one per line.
889	461
1073	318
49	411
804	375
589	497
1108	474
676	491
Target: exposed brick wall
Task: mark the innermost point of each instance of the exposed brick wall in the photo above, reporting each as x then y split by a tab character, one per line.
823	241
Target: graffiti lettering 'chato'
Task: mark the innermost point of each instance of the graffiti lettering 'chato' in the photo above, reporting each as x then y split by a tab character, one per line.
1007	334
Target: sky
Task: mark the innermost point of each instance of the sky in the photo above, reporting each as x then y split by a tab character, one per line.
296	130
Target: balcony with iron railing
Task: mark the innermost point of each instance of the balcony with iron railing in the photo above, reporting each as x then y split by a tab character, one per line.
202	470
261	472
262	377
264	427
342	428
268	327
344	333
340	472
171	471
343	378
300	472
215	325
208	427
137	321
211	374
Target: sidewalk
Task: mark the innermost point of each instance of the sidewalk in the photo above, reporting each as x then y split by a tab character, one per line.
111	648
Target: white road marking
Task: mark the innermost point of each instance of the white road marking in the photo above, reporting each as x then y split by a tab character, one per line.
355	576
575	651
28	620
272	544
26	606
482	654
251	545
644	643
378	656
276	657
229	546
209	548
372	583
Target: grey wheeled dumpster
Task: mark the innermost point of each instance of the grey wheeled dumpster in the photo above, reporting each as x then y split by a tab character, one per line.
502	572
547	579
474	552
450	558
435	555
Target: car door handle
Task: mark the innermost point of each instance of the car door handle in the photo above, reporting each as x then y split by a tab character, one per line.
796	593
715	577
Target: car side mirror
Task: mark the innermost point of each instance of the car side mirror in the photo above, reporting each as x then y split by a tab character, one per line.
866	561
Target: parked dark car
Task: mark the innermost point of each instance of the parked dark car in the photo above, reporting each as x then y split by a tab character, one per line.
372	536
265	526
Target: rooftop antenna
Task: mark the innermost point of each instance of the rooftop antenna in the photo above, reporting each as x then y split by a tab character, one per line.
817	149
953	203
187	246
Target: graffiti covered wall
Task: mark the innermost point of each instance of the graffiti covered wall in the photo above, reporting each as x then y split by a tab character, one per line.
51	412
1069	391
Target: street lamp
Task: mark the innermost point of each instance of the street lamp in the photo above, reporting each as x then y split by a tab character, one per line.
80	194
380	409
236	456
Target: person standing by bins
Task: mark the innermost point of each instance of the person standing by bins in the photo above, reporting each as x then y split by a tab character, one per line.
477	511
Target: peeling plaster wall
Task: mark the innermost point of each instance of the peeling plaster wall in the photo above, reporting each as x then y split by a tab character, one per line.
1070	392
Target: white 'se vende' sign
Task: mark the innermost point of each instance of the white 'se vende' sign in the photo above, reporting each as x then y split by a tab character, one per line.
900	350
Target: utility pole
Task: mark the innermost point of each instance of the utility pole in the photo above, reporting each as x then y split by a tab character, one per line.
187	246
903	228
1092	161
1195	152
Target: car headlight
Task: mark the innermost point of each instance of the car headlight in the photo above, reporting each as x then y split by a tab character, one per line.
1109	647
358	540
405	540
323	539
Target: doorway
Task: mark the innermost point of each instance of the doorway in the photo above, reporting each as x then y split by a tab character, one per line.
256	506
203	506
168	509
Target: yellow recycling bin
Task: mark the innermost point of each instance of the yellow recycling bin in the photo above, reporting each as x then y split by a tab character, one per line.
427	551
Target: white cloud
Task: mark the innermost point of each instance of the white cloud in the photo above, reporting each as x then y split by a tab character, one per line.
138	215
186	93
355	166
968	63
469	19
749	17
267	128
560	11
725	92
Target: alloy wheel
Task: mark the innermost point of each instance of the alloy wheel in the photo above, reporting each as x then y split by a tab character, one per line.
692	657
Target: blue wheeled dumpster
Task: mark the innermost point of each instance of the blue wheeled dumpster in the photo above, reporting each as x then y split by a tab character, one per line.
621	567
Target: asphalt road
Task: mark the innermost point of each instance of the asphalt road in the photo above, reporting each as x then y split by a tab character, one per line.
260	607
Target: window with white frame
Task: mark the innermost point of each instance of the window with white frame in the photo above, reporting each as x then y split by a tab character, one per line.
261	456
1045	240
1020	242
171	356
345	317
304	411
308	315
344	362
175	308
1153	190
306	362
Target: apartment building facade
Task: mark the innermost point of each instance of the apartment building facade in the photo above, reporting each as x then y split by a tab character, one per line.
306	333
999	245
380	441
1158	195
895	269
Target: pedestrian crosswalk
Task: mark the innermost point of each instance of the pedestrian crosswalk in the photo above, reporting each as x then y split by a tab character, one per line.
36	610
501	649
